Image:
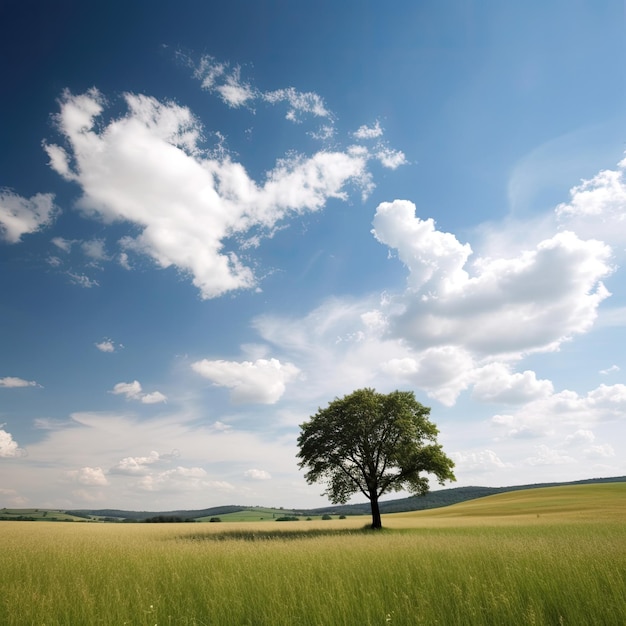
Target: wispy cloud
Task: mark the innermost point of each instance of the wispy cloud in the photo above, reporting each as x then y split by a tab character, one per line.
82	280
369	132
226	81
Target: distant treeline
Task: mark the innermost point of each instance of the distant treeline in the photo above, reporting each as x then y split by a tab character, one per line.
433	499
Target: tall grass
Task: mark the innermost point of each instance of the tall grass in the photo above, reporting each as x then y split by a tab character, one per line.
558	568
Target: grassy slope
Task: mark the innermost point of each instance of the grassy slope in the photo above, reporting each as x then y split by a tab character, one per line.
604	501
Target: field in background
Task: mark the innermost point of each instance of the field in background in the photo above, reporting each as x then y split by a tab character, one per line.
546	556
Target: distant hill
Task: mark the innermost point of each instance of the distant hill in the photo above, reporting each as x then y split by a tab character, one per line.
446	497
434	499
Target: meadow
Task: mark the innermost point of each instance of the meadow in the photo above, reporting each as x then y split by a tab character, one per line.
543	556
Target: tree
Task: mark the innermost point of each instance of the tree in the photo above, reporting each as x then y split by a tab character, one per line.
372	443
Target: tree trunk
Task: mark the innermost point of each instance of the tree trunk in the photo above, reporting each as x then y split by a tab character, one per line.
377	523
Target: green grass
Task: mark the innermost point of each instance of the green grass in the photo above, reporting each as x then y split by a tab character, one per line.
556	557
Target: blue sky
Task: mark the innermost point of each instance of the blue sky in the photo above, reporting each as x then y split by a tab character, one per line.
214	220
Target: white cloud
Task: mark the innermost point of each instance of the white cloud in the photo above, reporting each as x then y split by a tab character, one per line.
20	216
542	416
496	383
13	382
153	398
298	102
8	446
134	391
213	458
91	476
262	381
182	479
369	132
450	330
235	92
107	345
257	474
147	168
63	244
82	280
136	466
443	372
431	256
529	302
95	249
610	370
597	206
391	159
130	390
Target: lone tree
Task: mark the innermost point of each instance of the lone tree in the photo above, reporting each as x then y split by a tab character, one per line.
373	443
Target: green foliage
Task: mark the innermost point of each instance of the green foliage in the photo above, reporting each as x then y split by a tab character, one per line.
287	518
372	443
326	517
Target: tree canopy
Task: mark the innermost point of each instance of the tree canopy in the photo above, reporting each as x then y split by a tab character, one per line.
372	443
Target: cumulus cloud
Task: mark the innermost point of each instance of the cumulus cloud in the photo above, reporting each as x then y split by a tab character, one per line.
263	381
134	391
13	381
20	216
391	159
496	383
597	206
91	476
8	446
136	466
531	301
147	168
443	372
450	329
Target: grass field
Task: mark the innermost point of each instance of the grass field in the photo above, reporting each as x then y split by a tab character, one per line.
545	556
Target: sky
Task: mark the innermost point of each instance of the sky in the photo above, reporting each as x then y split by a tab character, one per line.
215	218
